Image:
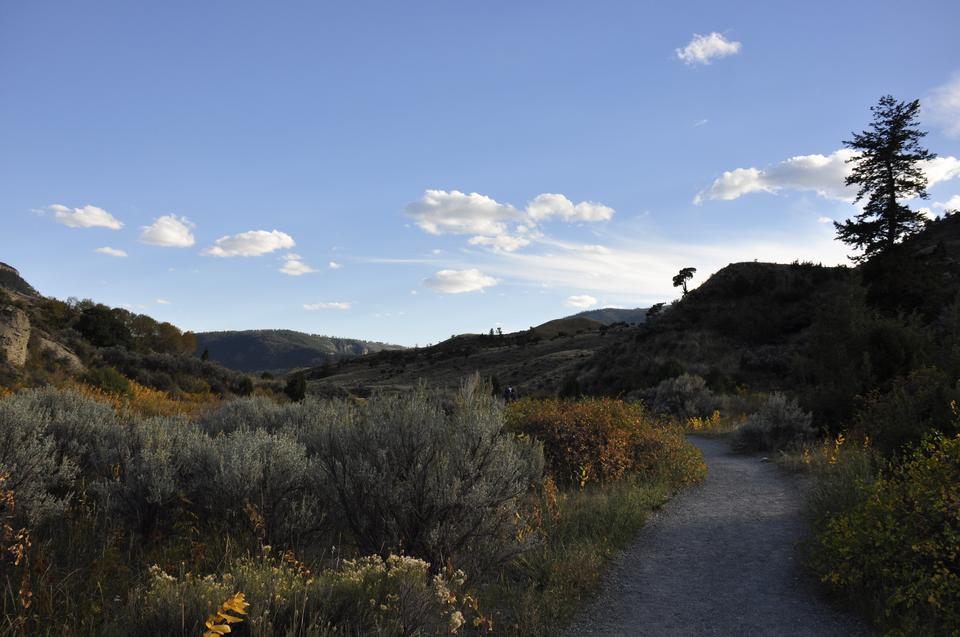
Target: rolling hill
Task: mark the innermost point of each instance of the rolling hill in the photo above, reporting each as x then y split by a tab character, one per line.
611	315
281	350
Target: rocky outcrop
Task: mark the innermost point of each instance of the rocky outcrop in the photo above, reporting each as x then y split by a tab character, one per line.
11	280
14	335
61	354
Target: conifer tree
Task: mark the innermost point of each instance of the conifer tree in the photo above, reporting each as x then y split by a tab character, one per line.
887	170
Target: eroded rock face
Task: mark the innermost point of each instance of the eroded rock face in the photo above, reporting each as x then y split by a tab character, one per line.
14	335
60	353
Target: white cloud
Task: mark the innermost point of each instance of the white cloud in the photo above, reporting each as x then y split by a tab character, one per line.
113	252
454	212
701	122
953	203
824	220
441	212
942	106
333	265
162	302
86	217
459	281
250	244
822	174
580	301
503	242
549	205
595	249
169	231
332	305
294	266
704	48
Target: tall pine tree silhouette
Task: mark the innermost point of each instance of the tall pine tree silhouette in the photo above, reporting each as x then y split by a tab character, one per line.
887	170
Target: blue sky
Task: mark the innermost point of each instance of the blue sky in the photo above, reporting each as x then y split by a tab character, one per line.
461	165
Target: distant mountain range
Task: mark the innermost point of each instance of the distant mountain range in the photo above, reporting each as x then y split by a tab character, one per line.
281	350
611	315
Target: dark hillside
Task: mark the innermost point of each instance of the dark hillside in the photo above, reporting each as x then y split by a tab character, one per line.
742	326
536	361
281	350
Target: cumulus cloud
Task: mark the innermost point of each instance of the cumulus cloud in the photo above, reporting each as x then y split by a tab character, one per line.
331	305
162	302
489	221
169	231
86	217
459	281
942	106
454	212
113	252
294	265
549	205
822	174
580	301
333	265
702	49
250	244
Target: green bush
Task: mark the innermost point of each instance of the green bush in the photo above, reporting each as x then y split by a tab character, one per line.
908	410
894	550
779	424
109	380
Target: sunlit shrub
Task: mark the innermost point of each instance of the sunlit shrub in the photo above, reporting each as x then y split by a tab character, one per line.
779	423
602	440
439	485
894	550
369	596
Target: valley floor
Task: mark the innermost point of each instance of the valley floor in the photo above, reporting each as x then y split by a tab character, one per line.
719	560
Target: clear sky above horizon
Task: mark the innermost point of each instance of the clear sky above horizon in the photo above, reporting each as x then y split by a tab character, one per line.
405	171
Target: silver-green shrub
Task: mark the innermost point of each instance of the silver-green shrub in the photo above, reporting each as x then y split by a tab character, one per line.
685	396
779	423
410	477
271	473
40	476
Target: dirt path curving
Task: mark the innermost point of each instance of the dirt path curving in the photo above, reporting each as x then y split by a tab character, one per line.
718	560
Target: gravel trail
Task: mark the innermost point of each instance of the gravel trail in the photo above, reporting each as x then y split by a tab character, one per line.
718	560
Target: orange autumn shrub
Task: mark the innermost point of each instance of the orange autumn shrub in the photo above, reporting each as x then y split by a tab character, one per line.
603	440
145	401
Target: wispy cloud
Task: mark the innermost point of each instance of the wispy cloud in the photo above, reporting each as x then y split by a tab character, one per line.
331	305
113	252
333	265
85	217
703	49
942	106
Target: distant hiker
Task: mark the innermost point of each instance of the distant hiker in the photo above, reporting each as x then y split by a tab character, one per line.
510	394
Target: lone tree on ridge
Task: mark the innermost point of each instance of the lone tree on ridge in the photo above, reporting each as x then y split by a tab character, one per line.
680	279
887	169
